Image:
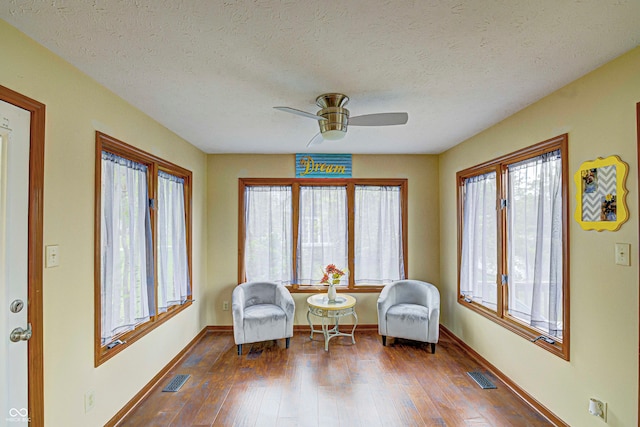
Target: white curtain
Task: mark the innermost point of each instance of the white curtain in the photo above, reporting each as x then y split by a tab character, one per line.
127	258
535	242
378	235
479	258
268	234
173	266
322	232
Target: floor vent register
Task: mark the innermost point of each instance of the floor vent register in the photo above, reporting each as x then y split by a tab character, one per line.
177	382
481	379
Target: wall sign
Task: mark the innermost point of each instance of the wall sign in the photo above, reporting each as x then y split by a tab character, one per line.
601	194
323	165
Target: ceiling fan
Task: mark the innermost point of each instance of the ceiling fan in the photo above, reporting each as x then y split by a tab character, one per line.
333	118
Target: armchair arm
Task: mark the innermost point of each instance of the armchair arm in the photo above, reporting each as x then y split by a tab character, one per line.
237	311
433	302
434	324
286	302
386	299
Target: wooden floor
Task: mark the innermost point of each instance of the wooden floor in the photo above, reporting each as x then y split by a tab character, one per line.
364	384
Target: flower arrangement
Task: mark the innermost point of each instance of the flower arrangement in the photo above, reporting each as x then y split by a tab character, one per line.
331	271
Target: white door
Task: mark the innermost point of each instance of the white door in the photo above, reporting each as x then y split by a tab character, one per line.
14	205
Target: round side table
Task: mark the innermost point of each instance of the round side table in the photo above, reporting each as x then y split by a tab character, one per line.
330	314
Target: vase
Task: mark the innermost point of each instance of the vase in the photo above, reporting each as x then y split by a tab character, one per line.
331	293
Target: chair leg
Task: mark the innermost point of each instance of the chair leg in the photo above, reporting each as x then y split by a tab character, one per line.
433	348
384	340
288	340
239	349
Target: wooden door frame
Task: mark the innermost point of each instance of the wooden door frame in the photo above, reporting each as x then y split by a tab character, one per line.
35	248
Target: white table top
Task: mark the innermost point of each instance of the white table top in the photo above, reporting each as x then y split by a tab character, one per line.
321	301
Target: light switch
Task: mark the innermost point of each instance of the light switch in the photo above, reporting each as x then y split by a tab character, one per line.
622	253
51	256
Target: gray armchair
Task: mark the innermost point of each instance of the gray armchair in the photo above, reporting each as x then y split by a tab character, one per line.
409	309
261	311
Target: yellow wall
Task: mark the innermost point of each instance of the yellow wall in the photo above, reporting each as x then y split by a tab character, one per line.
598	112
76	107
224	171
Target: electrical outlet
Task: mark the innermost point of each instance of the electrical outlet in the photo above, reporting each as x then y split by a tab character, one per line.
225	305
598	408
89	400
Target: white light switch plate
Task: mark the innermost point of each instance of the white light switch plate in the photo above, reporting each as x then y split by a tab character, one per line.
622	253
51	256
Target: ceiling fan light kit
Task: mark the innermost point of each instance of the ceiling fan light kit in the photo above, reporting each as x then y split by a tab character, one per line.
333	118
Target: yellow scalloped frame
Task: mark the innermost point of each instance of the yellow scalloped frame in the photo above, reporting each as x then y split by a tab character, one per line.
622	213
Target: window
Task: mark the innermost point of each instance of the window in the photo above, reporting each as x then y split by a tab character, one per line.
290	229
322	236
479	258
173	262
143	239
379	251
268	233
513	234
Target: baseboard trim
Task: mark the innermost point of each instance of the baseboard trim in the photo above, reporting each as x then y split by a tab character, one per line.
222	328
137	399
526	397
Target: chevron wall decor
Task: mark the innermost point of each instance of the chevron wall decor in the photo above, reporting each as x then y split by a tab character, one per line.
601	194
592	201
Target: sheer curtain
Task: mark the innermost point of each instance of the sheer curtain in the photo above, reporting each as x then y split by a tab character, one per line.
378	235
535	242
127	293
479	259
173	266
322	232
268	234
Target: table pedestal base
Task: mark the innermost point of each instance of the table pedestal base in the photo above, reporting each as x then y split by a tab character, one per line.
329	329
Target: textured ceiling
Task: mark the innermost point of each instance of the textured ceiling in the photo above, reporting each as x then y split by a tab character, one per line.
211	71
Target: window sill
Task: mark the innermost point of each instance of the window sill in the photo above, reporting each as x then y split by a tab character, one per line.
315	289
559	348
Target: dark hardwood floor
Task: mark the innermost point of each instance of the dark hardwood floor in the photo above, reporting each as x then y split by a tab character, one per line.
365	384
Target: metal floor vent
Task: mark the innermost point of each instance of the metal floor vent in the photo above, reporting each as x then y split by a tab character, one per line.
177	382
481	379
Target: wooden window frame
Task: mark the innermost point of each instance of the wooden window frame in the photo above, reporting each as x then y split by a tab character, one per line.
154	164
295	184
559	347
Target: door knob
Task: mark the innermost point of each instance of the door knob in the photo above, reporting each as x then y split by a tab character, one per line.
19	334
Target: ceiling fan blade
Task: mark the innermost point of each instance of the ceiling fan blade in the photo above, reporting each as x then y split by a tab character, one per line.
316	140
300	113
381	119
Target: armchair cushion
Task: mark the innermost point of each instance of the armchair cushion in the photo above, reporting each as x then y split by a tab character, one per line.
264	322
408	321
